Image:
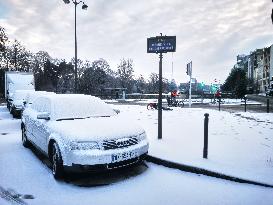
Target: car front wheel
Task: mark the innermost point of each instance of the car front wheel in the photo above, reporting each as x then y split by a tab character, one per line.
57	162
24	138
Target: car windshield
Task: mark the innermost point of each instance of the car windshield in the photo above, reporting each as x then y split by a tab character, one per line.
79	107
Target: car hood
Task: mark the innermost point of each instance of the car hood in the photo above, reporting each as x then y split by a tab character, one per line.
96	128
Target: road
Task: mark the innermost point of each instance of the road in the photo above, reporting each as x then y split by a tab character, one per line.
261	107
25	178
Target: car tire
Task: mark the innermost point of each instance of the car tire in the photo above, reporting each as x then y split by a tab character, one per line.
57	162
12	112
25	141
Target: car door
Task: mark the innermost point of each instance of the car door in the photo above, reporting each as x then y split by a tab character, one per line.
41	130
30	122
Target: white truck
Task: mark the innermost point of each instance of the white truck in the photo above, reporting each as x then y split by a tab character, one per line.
17	81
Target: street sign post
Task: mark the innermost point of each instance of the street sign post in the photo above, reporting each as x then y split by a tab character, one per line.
189	72
161	44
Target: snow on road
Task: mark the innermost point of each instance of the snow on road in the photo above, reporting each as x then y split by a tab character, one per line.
240	144
22	172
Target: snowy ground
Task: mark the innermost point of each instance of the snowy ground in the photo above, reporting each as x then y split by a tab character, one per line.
23	173
240	144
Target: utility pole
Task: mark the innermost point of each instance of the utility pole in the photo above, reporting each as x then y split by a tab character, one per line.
160	98
189	72
84	7
76	50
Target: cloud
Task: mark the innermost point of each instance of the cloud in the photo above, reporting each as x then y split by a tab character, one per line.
210	33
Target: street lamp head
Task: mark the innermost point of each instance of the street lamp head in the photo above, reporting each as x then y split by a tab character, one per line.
84	6
66	1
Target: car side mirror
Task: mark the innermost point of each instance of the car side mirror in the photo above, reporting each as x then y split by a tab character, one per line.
117	111
43	116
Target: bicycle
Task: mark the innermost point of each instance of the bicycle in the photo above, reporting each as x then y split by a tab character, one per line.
154	106
175	103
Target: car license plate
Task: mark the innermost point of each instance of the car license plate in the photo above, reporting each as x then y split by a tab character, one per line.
123	156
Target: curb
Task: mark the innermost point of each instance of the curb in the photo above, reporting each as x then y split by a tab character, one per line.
198	170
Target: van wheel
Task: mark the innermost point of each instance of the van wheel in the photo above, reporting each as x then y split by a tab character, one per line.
57	162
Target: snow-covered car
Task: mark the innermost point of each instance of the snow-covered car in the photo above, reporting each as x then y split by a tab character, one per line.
80	132
17	102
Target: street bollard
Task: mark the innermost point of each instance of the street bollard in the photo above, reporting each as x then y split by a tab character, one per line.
219	100
206	123
267	105
245	102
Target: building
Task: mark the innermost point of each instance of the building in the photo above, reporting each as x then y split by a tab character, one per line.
242	62
250	70
271	67
266	68
260	69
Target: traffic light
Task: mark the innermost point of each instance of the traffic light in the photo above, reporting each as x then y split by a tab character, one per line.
272	16
189	68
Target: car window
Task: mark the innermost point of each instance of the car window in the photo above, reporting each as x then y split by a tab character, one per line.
41	105
79	106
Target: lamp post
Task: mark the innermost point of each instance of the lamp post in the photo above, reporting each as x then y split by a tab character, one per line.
84	7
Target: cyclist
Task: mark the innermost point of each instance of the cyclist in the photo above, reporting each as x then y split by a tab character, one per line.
174	94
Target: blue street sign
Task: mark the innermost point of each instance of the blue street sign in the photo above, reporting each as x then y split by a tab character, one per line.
161	44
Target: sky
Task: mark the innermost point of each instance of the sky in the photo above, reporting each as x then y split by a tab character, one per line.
209	33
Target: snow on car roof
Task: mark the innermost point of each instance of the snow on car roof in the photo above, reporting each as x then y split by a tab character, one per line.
65	106
33	95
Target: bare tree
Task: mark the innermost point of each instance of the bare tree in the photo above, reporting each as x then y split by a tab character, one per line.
126	73
20	58
3	39
94	78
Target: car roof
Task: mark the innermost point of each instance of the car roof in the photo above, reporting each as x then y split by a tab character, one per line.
74	105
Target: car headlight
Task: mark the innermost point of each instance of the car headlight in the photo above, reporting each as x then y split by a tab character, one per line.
84	146
142	136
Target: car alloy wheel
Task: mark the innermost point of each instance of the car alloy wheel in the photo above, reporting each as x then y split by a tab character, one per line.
57	163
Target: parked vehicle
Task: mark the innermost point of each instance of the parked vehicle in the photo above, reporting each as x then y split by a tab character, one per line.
79	132
17	81
17	101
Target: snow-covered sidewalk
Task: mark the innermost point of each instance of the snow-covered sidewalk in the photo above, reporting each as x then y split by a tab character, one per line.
240	144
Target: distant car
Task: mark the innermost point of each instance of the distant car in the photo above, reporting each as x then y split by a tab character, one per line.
269	92
17	102
79	132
